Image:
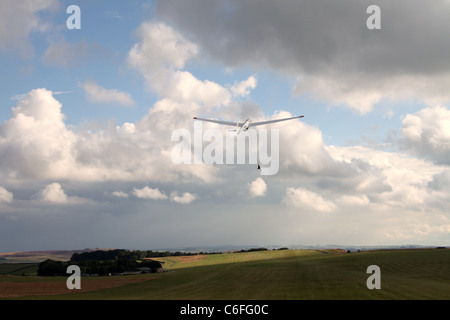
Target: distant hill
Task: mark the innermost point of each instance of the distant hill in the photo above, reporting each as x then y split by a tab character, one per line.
65	255
39	256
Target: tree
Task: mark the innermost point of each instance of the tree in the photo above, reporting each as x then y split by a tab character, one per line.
51	268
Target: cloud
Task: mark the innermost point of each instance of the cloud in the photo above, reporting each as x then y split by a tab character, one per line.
98	94
185	198
35	140
244	88
303	198
389	181
37	144
5	196
257	188
149	193
427	133
327	46
159	56
18	19
120	194
409	194
354	201
53	193
160	50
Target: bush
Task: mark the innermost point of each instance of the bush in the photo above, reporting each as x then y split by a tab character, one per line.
51	268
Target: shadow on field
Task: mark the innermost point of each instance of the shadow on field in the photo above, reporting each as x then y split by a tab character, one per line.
291	275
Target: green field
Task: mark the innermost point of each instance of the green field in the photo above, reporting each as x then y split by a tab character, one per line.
284	275
18	269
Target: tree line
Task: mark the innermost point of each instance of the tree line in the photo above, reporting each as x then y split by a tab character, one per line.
115	254
100	262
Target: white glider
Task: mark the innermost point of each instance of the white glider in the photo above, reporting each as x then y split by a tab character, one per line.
243	126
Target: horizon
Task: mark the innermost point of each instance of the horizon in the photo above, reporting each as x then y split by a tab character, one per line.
226	248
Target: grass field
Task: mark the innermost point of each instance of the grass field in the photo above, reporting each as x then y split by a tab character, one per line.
266	275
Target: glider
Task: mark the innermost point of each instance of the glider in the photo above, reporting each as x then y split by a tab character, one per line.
243	126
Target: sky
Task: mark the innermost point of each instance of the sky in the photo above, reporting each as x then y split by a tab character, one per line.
88	114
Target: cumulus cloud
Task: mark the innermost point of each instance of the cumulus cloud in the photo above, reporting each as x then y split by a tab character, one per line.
173	49
391	181
159	56
244	88
257	188
302	198
427	133
185	198
160	50
98	94
38	144
149	193
35	140
5	195
53	193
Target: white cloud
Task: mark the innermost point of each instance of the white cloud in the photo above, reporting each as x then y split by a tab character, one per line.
35	141
185	198
309	155
257	188
303	198
391	181
98	94
120	194
5	196
160	50
53	193
184	87
127	128
243	88
427	133
149	193
160	54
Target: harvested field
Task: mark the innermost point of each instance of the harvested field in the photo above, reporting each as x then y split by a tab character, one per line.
189	259
20	289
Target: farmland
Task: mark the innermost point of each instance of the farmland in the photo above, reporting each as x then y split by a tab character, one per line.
261	275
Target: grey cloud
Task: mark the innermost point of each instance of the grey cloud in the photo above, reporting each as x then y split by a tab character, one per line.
441	181
313	35
18	19
328	45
